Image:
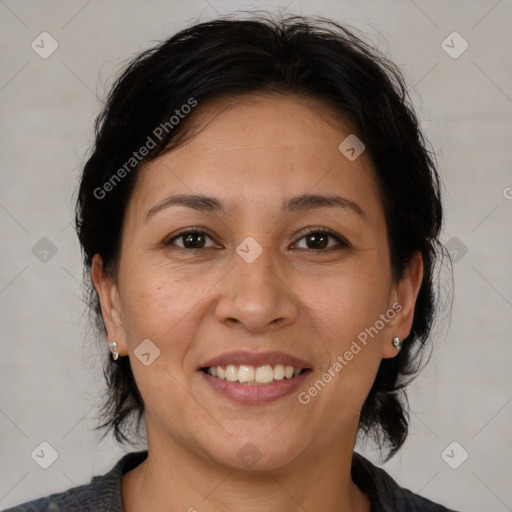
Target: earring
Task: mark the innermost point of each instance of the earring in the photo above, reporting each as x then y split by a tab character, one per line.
397	343
113	349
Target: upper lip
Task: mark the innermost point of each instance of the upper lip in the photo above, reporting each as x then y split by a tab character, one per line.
255	359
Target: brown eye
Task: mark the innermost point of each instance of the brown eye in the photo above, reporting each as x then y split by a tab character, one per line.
317	240
320	239
191	240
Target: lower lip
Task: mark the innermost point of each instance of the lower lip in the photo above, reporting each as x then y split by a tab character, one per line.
259	393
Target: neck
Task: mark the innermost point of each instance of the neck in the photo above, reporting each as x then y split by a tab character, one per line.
188	482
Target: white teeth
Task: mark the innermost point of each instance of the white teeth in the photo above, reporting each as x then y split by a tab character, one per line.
288	372
264	374
278	372
246	373
231	372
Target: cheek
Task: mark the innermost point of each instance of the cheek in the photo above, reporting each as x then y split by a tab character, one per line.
158	308
166	304
346	301
345	308
156	297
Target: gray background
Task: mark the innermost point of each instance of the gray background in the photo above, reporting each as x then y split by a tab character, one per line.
50	375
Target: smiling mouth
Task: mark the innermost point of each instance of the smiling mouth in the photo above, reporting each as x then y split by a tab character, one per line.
254	375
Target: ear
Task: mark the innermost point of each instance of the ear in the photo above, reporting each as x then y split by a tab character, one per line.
108	293
405	294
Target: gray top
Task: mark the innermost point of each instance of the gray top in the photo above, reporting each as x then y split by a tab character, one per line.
103	493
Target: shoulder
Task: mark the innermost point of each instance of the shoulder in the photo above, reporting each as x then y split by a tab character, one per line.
73	499
385	494
102	494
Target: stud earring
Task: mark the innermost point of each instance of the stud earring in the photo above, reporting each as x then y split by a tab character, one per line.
397	343
113	349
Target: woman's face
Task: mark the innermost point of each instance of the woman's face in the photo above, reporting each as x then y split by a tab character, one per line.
291	268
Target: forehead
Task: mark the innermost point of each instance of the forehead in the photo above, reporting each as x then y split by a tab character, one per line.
269	120
258	147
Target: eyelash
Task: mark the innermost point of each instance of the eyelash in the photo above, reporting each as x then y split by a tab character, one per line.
316	230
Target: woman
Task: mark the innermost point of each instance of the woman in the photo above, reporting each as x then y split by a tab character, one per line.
259	219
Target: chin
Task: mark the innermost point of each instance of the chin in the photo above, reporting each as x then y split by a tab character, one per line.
258	452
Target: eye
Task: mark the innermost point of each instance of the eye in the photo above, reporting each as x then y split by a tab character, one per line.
318	238
315	239
191	239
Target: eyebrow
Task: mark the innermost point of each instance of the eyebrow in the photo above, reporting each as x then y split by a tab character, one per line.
306	202
300	203
195	201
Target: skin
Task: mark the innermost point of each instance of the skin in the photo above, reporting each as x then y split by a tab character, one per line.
252	154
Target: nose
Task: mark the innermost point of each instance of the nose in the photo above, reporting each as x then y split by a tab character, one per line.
256	296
